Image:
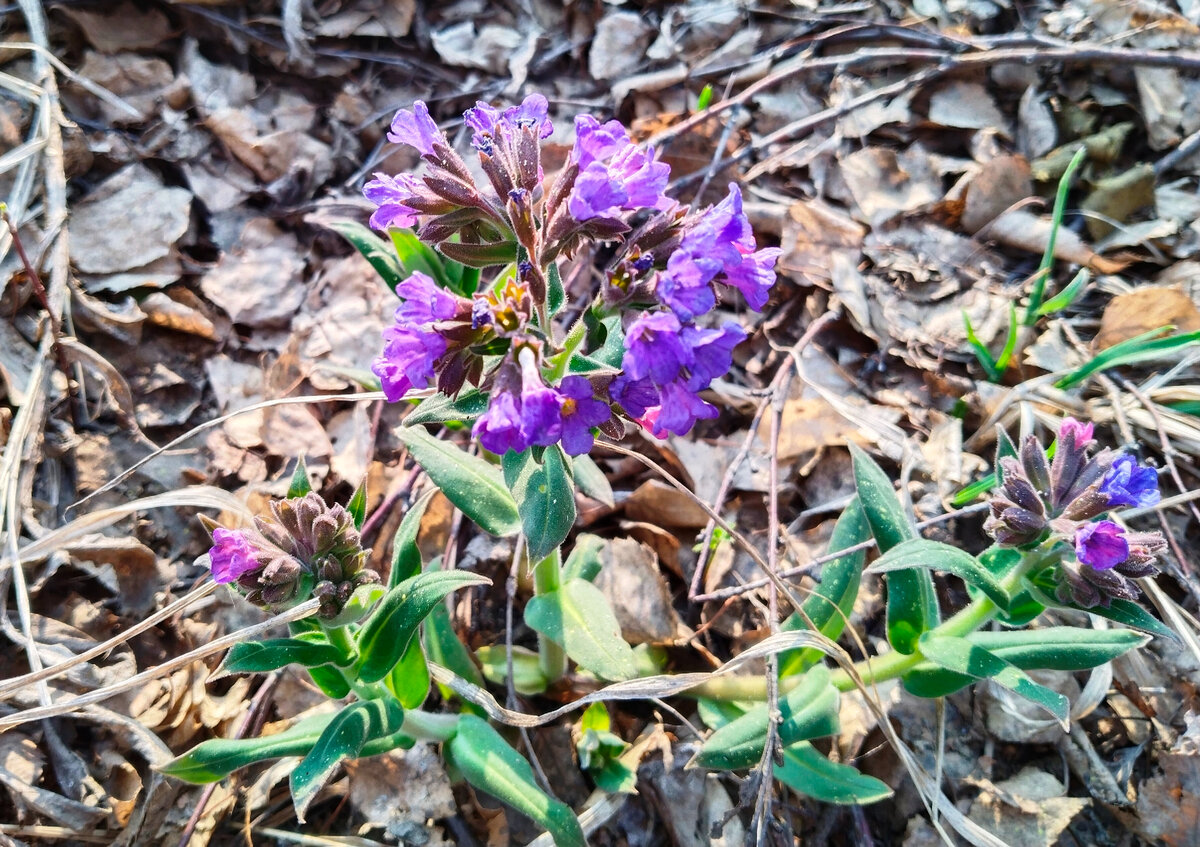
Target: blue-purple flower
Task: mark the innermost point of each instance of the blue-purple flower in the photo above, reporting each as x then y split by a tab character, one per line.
425	301
1129	484
717	247
581	411
541	406
408	359
499	428
416	128
1101	545
390	193
231	556
615	175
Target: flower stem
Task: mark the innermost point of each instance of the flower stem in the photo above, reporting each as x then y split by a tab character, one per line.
547	577
890	665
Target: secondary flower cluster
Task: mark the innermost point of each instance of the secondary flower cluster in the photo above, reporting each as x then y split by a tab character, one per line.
305	548
668	265
1064	499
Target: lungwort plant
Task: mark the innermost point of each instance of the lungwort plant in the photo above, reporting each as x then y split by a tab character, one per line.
487	340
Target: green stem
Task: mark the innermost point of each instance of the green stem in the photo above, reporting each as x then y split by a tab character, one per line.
547	577
429	727
889	665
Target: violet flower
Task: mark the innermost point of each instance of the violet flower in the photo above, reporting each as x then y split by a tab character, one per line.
581	411
541	406
231	556
1101	545
499	428
389	193
408	359
425	302
416	128
1129	484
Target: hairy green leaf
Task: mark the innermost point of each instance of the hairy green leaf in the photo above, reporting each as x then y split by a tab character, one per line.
469	482
545	496
578	618
934	555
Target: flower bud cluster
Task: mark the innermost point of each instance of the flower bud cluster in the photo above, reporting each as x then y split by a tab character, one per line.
668	265
1043	501
305	548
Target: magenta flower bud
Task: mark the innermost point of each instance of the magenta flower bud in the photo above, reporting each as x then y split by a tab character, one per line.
231	556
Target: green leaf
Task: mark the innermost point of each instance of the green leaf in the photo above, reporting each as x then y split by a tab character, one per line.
409	680
344	738
361	601
584	561
269	655
705	98
615	777
439	408
591	480
964	657
386	634
300	484
545	498
528	678
1010	342
330	680
415	255
469	482
1060	205
1067	296
831	602
807	771
1136	349
1023	607
810	710
374	249
1060	648
406	555
443	646
934	555
212	761
556	295
982	354
911	600
357	507
578	618
488	762
595	717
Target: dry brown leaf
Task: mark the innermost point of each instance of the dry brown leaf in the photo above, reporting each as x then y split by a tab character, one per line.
130	220
1143	310
884	182
813	232
658	503
619	45
808	424
162	310
425	795
1029	232
1030	809
261	281
1117	197
1000	184
635	587
123	26
966	105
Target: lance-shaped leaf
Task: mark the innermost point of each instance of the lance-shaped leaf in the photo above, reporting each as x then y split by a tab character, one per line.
584	561
1060	648
410	680
415	255
591	480
465	408
374	249
406	555
578	618
275	653
468	481
556	295
920	553
831	602
344	738
212	761
810	710
386	634
807	770
1126	612
545	498
357	506
490	764
964	657
911	600
300	483
528	678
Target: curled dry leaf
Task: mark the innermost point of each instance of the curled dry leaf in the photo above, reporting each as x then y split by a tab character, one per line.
259	282
1029	232
635	587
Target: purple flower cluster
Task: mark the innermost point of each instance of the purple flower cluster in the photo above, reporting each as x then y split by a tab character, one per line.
304	548
525	412
1046	503
666	275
